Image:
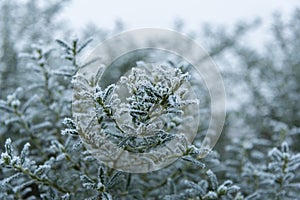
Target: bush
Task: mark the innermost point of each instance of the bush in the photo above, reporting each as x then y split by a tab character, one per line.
44	157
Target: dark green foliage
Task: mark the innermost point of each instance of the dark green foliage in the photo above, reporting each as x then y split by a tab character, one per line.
43	157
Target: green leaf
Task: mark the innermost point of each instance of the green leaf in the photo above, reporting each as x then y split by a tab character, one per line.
84	45
63	44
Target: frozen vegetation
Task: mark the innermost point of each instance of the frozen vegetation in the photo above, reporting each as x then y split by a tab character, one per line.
43	151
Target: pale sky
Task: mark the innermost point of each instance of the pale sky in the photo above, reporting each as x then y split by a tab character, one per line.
161	13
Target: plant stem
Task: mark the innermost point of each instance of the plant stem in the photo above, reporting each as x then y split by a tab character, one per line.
40	180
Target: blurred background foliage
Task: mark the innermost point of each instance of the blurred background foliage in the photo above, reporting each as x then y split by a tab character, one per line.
262	87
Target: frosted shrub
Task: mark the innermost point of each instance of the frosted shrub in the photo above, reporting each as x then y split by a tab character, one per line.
148	111
152	112
45	154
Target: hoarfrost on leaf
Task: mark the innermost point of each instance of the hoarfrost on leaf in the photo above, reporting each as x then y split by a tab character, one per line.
143	113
